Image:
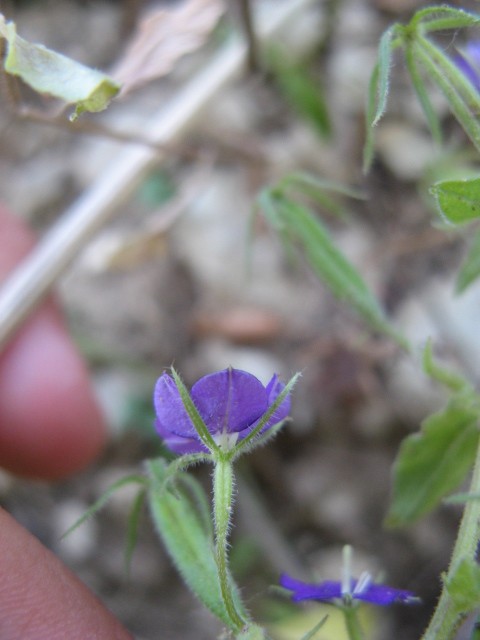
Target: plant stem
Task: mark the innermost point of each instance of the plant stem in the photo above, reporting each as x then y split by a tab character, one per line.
352	623
447	617
223	483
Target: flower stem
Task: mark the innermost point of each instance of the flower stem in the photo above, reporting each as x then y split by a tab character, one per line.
223	483
447	617
352	623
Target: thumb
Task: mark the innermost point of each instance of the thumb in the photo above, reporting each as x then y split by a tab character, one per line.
40	599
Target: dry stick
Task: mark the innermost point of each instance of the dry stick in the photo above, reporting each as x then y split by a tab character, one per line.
34	277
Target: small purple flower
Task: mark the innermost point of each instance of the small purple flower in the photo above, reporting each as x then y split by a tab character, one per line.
362	589
231	403
468	61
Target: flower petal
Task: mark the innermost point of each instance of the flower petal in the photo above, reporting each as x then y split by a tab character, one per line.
172	417
230	400
178	444
382	595
325	591
274	389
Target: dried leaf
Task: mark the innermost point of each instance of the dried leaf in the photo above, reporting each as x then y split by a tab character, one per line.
164	36
52	73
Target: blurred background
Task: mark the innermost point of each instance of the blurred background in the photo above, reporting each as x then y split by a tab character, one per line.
181	274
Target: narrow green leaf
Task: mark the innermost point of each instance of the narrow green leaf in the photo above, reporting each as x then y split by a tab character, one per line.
370	111
458	200
470	269
384	65
461	95
132	528
310	635
422	94
302	229
450	379
302	91
443	17
105	497
378	90
318	189
464	586
434	462
181	525
52	73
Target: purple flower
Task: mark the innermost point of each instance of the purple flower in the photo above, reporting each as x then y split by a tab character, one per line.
468	61
362	589
231	403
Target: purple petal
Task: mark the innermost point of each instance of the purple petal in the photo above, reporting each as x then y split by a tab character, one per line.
177	444
468	61
383	595
230	400
325	591
274	389
172	417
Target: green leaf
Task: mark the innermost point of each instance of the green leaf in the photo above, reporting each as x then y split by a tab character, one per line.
132	529
458	200
105	497
470	269
464	586
52	73
435	461
462	97
378	91
302	91
422	94
318	189
310	635
440	18
252	632
300	228
384	65
179	517
370	111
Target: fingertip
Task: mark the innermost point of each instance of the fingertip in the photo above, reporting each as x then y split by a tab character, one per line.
40	599
50	422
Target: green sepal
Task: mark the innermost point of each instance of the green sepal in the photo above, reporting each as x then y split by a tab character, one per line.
200	426
182	520
52	73
470	269
435	461
253	439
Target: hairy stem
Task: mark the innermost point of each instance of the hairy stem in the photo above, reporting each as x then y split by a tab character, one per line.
447	618
223	484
